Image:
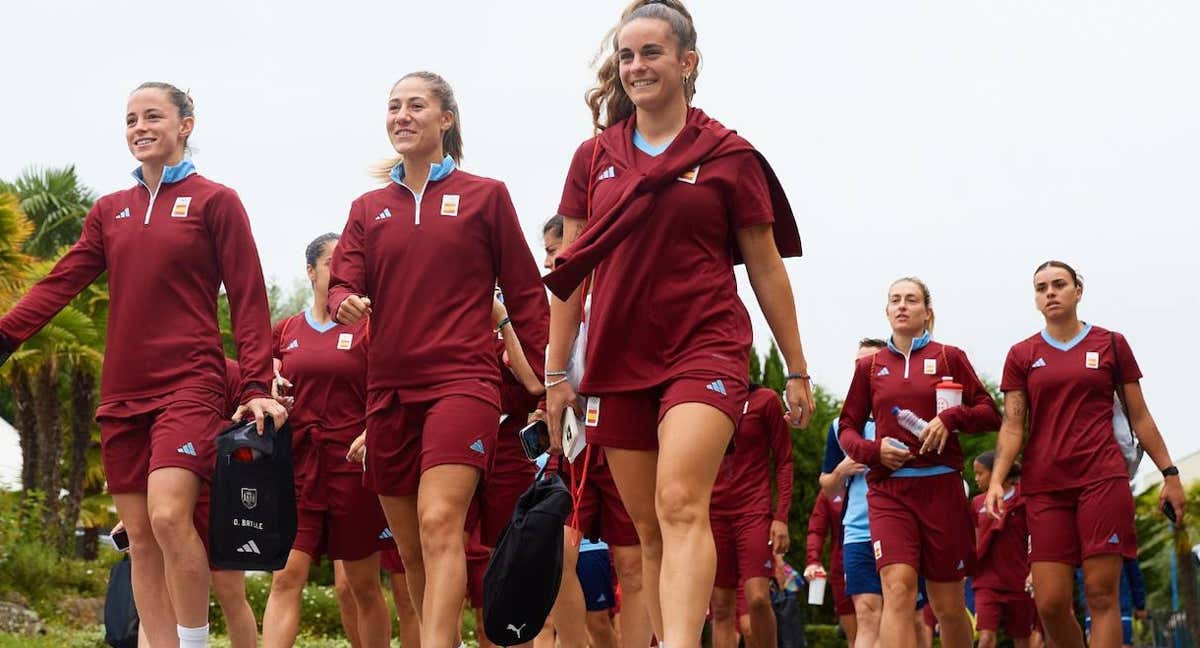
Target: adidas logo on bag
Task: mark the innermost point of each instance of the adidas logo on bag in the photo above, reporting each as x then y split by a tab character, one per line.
187	449
718	386
384	215
249	547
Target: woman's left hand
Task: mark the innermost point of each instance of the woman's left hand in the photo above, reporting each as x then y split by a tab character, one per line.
780	540
800	402
934	436
1172	494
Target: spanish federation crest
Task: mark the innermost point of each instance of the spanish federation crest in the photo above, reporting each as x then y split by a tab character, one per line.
250	497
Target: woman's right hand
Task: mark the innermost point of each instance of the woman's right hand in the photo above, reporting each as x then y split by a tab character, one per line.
279	387
892	457
558	399
994	501
353	309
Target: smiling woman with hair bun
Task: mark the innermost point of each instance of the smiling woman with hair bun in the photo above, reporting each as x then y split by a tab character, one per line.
657	210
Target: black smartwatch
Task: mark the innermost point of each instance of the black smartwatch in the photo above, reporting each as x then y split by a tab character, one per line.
1170	471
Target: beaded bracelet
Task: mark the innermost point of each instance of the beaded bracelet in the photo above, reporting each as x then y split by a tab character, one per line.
502	324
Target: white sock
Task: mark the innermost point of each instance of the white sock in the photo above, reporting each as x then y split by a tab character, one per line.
192	637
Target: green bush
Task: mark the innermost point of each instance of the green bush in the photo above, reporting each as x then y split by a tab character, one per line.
823	636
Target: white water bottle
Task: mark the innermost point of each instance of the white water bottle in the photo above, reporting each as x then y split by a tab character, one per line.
910	421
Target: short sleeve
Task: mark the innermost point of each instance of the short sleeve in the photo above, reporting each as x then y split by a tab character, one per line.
833	451
574	195
749	201
1127	366
1016	372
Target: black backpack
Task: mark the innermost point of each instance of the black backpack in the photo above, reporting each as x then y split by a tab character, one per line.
120	614
523	575
252	519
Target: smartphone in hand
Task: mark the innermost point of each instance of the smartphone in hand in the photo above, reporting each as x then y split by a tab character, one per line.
1169	511
120	540
535	439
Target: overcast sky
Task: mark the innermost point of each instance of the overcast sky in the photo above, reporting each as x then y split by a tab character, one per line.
964	142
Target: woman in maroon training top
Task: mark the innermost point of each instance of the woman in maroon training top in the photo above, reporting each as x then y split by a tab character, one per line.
167	243
671	200
920	522
1074	477
324	365
422	256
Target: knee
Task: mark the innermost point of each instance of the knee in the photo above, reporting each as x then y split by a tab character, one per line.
948	608
1100	597
230	592
680	505
758	602
288	580
341	587
365	590
171	522
440	525
629	571
1053	608
987	640
722	611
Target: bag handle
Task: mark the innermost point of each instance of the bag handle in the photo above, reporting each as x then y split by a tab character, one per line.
1119	378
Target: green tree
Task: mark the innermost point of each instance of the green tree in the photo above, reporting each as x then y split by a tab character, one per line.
755	367
56	201
773	374
283	302
1158	539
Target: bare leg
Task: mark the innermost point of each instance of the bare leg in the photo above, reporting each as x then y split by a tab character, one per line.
634	472
634	621
1055	587
281	619
762	615
374	618
951	610
230	590
724	628
868	609
570	610
1101	586
442	501
406	616
147	571
401	513
899	601
171	499
347	608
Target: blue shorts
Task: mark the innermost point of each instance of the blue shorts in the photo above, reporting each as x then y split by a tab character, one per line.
595	573
861	575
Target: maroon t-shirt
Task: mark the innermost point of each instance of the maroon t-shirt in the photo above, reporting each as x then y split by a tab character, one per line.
1070	389
743	483
328	372
1002	546
431	282
886	379
665	302
165	265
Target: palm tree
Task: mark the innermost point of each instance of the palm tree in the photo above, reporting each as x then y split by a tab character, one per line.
56	202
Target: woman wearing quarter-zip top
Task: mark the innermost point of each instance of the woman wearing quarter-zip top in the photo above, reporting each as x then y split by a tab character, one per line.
920	520
661	205
1073	475
422	257
168	244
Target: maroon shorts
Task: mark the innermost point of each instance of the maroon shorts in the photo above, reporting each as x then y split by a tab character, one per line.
406	439
173	434
477	562
742	545
1072	525
924	522
601	514
1015	609
389	560
509	474
341	519
843	604
629	420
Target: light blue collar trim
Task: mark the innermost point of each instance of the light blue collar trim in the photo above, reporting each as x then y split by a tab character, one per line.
648	148
170	173
319	328
917	343
436	171
1067	346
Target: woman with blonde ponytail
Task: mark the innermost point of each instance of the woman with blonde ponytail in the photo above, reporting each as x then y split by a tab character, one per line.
658	208
422	256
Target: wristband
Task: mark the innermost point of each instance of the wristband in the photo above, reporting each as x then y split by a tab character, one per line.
799	376
504	322
555	383
556	373
1170	471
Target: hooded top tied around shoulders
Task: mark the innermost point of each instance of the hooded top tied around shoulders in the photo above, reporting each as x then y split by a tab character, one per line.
702	139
